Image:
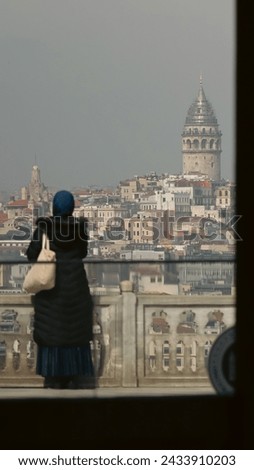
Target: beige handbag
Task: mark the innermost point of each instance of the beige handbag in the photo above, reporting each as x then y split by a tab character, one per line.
41	276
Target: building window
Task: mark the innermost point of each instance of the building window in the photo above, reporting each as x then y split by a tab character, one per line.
180	355
152	355
165	356
30	354
208	345
196	144
2	355
180	363
193	358
16	354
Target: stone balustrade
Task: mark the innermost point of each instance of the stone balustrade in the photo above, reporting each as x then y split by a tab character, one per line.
140	339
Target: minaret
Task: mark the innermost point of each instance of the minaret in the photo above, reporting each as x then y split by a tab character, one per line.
201	139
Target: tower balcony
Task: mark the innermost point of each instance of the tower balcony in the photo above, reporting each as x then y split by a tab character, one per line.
200	132
205	151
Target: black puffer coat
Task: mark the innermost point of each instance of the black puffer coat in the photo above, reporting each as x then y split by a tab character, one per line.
63	315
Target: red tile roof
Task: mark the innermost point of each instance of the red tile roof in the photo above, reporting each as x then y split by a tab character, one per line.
18	202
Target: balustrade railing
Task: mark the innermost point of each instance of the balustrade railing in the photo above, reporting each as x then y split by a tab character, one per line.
146	334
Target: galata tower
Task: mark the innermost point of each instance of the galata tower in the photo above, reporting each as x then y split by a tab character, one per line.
201	139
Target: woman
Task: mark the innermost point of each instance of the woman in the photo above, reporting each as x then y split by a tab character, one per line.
63	315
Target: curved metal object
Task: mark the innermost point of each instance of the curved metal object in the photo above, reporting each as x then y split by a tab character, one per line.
222	363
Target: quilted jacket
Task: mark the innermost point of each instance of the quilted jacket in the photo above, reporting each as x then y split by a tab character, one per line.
63	315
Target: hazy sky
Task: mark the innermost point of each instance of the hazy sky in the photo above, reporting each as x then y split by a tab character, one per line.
98	90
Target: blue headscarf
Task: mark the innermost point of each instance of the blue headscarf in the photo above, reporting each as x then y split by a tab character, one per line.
63	203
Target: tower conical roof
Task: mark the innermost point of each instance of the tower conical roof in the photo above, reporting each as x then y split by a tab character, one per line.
201	111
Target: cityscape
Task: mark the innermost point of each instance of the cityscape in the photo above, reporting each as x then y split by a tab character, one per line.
142	110
169	238
148	217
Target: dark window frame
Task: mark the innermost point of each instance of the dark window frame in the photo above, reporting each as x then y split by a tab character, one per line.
126	422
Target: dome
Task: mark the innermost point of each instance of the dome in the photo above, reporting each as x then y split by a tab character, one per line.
201	111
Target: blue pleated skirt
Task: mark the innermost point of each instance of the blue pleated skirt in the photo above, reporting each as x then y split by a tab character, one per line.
57	361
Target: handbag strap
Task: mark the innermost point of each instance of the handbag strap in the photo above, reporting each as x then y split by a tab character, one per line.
45	241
